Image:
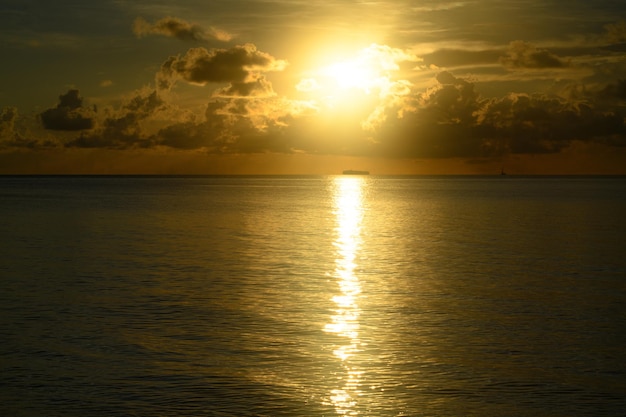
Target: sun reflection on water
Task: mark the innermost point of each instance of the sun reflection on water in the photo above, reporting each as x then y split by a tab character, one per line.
348	203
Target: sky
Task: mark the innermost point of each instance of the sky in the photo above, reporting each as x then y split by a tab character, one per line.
312	87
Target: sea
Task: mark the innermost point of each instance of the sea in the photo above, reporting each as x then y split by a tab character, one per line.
309	296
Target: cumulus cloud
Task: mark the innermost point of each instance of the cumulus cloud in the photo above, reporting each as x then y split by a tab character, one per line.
234	125
240	117
450	119
521	54
122	128
436	123
240	66
69	114
179	29
538	123
453	102
453	120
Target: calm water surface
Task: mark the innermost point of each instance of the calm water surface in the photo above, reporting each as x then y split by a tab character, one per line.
312	296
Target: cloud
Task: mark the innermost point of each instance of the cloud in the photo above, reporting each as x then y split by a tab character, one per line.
616	32
460	57
436	123
256	88
8	115
307	85
69	114
123	128
235	125
179	29
452	120
14	135
521	54
237	119
454	101
241	66
9	137
449	119
537	123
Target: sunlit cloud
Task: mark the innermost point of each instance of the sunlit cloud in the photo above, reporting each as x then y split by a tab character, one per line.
308	85
450	119
239	65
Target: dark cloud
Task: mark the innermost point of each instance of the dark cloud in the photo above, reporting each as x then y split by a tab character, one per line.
437	123
538	123
453	102
177	28
238	65
452	120
69	114
122	129
521	54
521	123
230	126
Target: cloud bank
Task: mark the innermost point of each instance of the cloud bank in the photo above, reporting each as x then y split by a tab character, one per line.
450	119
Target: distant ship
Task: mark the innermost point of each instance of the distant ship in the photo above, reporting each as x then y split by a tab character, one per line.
355	172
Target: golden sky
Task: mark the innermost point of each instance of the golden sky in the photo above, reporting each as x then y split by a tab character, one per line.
315	87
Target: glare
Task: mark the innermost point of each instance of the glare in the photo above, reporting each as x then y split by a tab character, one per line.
371	69
354	74
348	202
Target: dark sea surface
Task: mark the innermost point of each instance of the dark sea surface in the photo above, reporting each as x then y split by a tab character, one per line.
313	296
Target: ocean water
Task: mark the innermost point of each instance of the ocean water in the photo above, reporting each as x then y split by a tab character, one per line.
313	296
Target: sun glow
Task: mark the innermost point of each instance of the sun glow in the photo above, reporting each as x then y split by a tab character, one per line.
356	81
353	74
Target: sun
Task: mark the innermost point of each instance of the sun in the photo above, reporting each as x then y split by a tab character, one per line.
356	73
351	80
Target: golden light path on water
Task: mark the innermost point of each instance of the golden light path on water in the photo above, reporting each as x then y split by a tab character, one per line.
348	208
